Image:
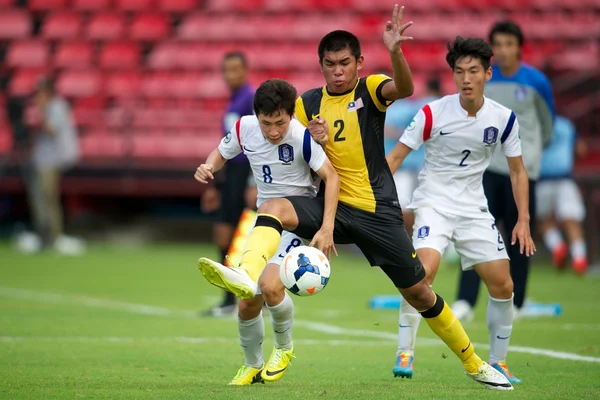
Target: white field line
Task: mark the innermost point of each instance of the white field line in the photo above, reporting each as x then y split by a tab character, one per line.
145	309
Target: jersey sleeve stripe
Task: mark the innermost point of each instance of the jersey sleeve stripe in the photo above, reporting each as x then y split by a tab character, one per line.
306	150
428	122
237	132
509	126
379	92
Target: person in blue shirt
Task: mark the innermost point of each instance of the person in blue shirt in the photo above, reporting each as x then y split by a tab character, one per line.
229	199
399	116
559	201
528	93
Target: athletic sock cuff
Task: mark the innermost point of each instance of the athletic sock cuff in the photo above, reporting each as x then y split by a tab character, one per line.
250	321
269	221
436	309
503	300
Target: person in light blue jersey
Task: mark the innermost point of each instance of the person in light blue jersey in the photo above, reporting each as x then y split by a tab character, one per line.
559	201
399	117
527	92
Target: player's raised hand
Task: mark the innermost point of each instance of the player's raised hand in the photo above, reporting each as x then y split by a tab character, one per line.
319	130
393	35
204	172
323	240
523	235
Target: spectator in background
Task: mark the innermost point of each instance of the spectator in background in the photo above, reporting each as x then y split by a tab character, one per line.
229	195
559	202
526	91
399	116
55	149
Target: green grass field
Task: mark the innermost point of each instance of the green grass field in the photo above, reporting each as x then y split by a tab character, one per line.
122	324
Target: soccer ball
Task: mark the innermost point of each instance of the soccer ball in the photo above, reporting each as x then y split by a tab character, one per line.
305	271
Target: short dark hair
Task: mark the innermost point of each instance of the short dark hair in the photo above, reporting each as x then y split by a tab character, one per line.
274	95
507	28
339	40
236	54
434	84
476	48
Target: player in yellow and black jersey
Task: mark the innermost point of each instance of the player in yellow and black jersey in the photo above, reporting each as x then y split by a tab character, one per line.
347	117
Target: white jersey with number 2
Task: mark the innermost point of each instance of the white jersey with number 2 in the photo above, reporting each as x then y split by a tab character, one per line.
458	149
282	169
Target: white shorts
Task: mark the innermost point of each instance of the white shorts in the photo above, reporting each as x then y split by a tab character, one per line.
476	240
560	199
288	242
406	183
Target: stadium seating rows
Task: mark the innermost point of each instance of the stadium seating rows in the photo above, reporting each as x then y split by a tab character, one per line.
150	68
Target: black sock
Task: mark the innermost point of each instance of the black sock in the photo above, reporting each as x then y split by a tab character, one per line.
468	287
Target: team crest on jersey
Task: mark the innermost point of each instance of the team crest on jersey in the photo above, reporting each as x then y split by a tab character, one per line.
286	153
490	135
412	125
423	232
227	137
355	105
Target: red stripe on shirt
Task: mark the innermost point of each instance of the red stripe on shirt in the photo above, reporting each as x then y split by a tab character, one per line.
237	132
428	123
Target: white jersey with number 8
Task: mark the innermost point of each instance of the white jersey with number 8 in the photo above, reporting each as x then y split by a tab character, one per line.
282	169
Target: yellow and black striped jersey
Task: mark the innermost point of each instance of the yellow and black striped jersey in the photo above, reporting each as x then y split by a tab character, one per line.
355	148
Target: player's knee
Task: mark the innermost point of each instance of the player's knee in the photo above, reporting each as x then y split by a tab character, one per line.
501	289
249	309
272	291
420	296
275	207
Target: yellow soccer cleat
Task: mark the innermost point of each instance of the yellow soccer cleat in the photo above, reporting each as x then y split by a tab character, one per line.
277	364
246	376
234	280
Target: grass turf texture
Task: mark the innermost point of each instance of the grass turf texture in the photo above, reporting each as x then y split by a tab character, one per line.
71	332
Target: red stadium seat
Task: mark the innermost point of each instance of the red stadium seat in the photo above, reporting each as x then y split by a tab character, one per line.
123	84
120	54
178	5
134	5
234	5
192	27
106	26
79	83
14	24
149	26
91	5
6	3
164	55
23	81
102	144
27	53
89	111
73	55
46	5
61	26
195	55
156	84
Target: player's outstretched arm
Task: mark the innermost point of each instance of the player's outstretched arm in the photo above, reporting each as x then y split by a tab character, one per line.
396	157
323	239
393	36
520	185
214	163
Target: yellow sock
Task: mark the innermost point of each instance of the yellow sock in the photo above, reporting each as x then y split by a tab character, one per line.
443	322
262	245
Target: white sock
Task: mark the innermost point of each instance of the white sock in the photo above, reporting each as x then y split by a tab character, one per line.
407	328
252	334
500	314
552	238
282	317
578	249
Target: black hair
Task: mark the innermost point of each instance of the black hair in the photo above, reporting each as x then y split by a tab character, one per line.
273	96
507	28
475	48
339	40
434	85
45	83
236	54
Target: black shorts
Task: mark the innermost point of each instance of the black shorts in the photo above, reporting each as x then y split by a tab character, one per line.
232	192
381	236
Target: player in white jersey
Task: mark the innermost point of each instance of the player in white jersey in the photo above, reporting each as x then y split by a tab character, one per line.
282	156
460	133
